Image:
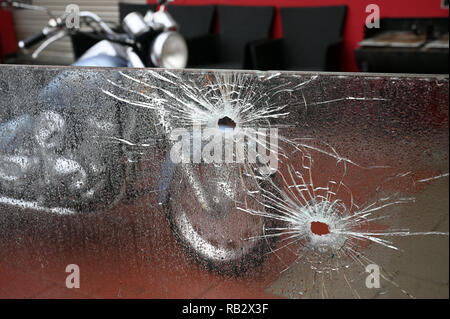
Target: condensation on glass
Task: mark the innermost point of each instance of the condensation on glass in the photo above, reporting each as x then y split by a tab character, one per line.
184	184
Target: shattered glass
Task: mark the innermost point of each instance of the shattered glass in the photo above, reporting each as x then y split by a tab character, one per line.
195	183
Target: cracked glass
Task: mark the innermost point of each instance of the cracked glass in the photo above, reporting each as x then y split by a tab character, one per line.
231	184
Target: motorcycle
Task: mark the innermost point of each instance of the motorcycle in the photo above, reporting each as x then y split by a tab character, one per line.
71	173
144	41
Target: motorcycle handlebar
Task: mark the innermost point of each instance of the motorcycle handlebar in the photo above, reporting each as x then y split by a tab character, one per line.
51	32
32	40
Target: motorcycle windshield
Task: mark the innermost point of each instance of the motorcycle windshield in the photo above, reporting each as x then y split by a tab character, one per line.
222	184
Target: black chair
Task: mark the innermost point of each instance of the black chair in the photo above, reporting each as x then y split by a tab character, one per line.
194	21
239	28
195	26
311	40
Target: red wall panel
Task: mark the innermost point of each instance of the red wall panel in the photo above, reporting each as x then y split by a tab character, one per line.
7	36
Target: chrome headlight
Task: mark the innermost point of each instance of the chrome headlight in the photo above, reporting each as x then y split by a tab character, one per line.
169	50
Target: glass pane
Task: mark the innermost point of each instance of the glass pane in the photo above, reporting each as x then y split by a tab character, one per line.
184	184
